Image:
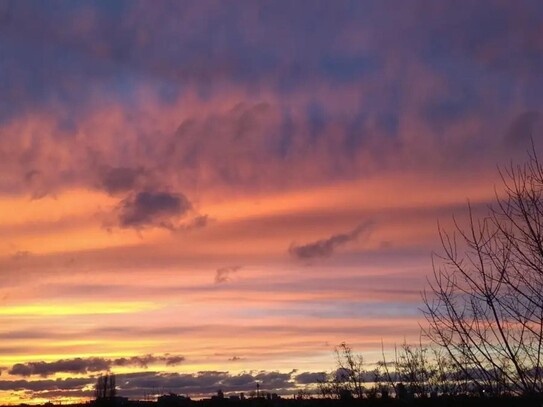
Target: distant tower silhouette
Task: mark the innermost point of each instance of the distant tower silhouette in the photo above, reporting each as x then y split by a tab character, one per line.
257	390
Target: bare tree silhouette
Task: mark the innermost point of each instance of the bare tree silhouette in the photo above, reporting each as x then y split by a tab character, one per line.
347	379
484	305
105	388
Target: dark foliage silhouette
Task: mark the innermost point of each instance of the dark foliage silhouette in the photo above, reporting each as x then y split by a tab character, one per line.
105	387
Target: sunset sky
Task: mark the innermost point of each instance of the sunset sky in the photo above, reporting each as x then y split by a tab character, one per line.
198	195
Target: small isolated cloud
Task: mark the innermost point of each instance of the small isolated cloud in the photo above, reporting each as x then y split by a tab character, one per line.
223	274
120	179
234	358
148	209
89	365
326	247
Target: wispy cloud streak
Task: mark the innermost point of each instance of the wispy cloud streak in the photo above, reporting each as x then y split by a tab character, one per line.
326	247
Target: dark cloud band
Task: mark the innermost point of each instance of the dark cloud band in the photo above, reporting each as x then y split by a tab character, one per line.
200	383
90	365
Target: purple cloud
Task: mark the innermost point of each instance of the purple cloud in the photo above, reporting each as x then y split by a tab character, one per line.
144	209
326	247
